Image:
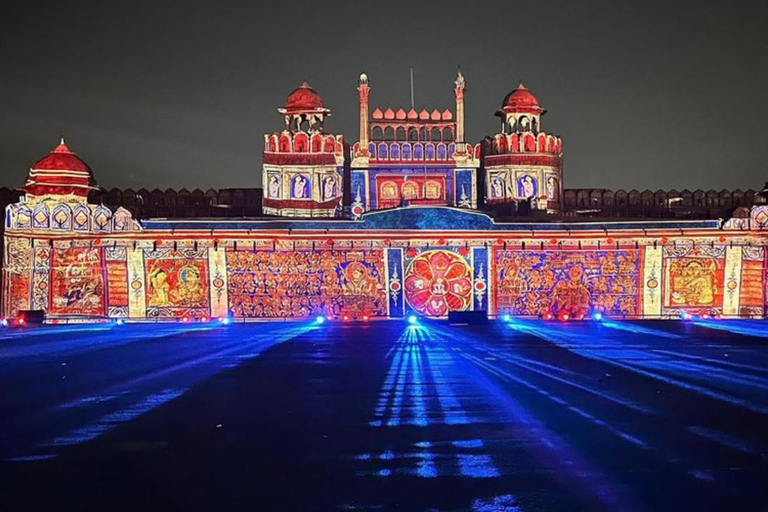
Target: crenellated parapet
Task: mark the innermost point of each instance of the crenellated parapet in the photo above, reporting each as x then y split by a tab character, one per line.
54	217
526	142
406	152
303	143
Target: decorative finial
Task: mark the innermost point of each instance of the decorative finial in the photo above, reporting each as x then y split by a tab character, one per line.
363	78
61	142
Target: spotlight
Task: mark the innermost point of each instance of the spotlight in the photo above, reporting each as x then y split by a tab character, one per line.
412	320
345	318
320	319
119	321
365	318
204	319
225	320
565	317
21	321
548	316
685	315
4	322
185	319
506	318
597	316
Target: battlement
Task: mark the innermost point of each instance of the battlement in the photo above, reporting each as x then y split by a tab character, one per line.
302	142
419	152
526	142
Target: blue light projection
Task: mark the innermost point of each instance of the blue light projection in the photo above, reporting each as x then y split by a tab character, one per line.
635	352
177	357
757	328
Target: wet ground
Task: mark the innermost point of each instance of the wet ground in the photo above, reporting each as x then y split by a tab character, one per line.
284	416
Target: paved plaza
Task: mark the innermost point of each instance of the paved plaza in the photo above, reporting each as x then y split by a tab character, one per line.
530	415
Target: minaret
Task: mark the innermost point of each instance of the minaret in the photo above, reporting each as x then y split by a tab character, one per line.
459	91
363	89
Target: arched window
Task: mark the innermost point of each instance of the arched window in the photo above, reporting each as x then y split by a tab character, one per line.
413	134
389	133
406	151
377	133
394	151
435	136
447	134
400	134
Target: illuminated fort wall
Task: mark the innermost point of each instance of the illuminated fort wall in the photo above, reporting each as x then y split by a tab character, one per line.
389	264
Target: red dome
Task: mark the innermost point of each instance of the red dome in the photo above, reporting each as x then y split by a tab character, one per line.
304	98
520	99
61	159
60	172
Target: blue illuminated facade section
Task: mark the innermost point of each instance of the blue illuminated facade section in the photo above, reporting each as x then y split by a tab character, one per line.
480	279
395	283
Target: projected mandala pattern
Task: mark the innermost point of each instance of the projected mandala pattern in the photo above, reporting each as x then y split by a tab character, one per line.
437	282
177	283
77	282
573	282
300	284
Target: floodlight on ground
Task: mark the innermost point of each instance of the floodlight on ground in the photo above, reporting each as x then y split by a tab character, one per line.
413	319
320	320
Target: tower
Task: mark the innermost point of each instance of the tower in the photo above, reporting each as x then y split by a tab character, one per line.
412	157
523	163
458	90
302	165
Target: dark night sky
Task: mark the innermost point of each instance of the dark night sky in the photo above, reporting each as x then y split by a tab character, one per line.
652	94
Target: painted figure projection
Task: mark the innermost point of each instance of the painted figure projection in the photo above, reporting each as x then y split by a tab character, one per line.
273	190
573	282
695	280
497	186
437	282
527	186
301	284
552	188
77	282
329	188
177	284
300	187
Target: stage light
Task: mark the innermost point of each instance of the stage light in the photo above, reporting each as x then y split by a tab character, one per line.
119	321
598	316
412	319
365	318
320	319
21	321
204	319
225	320
565	317
345	318
548	316
4	322
506	318
185	319
685	315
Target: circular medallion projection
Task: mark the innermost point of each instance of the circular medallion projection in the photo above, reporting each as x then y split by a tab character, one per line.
437	282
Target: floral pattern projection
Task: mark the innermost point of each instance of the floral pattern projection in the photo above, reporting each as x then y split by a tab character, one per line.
301	284
77	282
694	279
572	282
18	271
177	284
437	282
